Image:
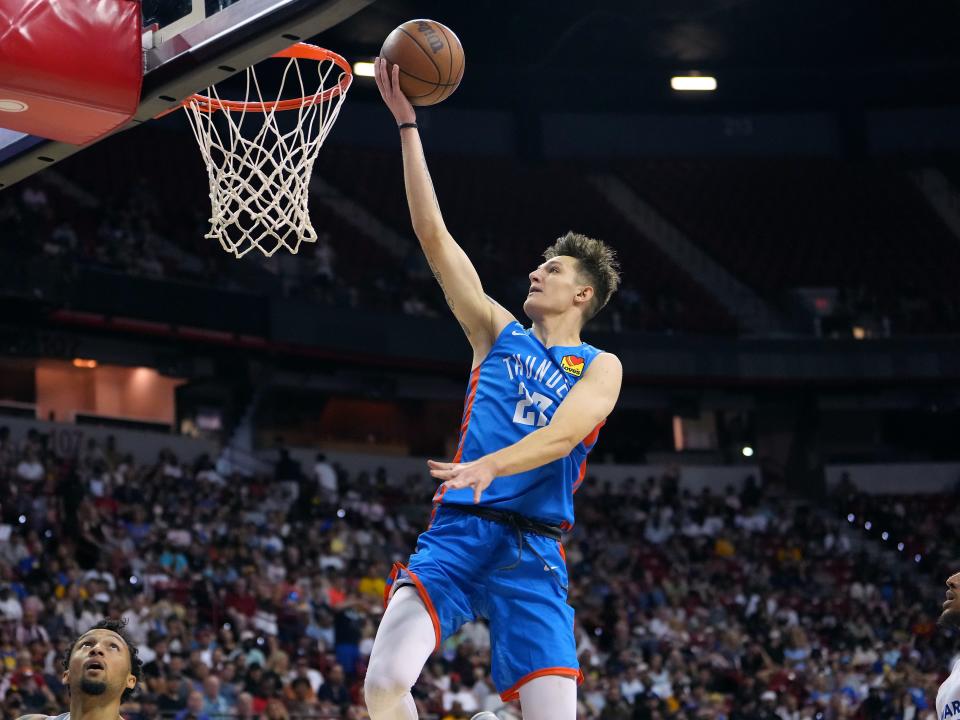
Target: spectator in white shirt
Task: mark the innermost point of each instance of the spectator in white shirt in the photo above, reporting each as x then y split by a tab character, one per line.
10	607
30	469
631	685
459	695
138	619
326	478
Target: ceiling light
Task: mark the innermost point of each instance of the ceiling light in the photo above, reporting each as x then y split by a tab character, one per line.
363	69
696	83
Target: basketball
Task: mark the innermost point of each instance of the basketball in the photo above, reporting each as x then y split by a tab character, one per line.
430	57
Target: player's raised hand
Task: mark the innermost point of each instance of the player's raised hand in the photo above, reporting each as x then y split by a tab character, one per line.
388	82
477	474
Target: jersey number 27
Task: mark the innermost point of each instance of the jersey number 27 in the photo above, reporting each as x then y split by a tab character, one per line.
531	408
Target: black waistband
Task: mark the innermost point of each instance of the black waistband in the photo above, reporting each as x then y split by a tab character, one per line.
511	519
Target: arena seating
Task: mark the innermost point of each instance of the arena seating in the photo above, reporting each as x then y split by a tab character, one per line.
776	223
782	223
748	604
505	214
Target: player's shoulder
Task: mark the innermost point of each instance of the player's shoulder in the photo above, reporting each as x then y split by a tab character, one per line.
604	366
506	326
605	360
64	716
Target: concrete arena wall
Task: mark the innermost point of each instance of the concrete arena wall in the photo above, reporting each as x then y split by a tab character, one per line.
68	439
898	478
694	478
894	478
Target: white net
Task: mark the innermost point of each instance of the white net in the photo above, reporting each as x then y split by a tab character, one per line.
260	152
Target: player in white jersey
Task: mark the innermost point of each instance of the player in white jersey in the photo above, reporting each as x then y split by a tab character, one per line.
101	670
948	696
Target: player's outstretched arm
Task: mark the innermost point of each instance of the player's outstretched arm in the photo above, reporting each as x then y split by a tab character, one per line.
588	404
481	318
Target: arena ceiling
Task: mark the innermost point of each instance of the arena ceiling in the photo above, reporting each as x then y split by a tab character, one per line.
620	55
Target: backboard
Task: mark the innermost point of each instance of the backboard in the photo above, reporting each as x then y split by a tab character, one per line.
189	45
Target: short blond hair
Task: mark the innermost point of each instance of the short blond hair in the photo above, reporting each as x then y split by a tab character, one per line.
596	262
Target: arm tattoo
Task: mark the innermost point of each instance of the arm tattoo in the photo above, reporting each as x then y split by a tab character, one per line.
496	304
446	295
433	190
439	277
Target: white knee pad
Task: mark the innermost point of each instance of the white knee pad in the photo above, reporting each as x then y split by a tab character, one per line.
383	692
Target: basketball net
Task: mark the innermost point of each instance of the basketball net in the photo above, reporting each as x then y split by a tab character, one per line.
260	152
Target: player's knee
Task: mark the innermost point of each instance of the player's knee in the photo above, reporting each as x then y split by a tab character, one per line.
383	690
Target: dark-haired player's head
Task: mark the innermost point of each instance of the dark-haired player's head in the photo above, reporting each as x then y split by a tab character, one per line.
579	273
951	606
103	662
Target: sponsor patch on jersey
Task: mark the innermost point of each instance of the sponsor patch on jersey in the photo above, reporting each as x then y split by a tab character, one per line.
573	364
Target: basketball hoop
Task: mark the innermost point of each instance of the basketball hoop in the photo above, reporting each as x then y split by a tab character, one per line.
259	156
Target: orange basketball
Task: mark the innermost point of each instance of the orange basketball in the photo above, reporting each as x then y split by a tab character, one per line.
430	57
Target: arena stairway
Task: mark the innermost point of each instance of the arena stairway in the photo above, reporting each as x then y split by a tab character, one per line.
750	310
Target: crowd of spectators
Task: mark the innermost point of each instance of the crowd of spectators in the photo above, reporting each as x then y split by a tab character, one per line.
59	235
94	214
260	597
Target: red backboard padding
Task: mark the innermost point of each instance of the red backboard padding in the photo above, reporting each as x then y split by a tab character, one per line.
76	65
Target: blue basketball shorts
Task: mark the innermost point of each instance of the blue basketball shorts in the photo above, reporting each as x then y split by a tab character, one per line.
458	569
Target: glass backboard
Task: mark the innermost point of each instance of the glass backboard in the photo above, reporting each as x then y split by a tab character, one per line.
189	45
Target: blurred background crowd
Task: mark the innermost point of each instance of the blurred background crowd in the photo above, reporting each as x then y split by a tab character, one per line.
789	312
260	596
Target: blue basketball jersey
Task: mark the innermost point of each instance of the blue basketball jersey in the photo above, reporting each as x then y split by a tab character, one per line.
512	393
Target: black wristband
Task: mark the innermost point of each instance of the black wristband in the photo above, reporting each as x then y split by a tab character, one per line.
401	126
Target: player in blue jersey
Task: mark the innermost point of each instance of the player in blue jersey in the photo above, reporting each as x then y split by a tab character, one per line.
535	402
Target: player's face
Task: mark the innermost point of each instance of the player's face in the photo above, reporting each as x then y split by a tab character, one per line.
951	606
100	665
554	288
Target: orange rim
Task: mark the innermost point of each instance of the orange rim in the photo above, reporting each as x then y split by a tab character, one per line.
302	51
